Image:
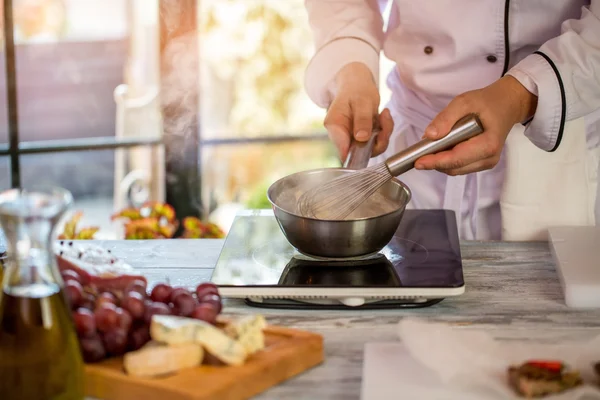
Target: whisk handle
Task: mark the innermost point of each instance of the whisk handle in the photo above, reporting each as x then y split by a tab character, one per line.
466	128
359	153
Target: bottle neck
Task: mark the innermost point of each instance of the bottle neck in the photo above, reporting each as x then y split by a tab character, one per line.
28	219
30	260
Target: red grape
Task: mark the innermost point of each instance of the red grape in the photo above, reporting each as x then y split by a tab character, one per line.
161	293
107	317
133	302
138	337
106	297
156	308
115	341
85	323
70	274
88	301
184	303
176	292
92	349
206	288
74	292
124	321
213	299
205	312
138	286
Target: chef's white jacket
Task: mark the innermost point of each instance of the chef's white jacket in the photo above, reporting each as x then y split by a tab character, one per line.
548	172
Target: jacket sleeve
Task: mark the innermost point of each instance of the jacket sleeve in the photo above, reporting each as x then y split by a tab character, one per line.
345	31
565	75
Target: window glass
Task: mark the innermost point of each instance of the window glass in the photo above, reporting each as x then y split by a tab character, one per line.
235	177
253	57
98	183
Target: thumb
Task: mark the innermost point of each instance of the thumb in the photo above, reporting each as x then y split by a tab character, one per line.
446	119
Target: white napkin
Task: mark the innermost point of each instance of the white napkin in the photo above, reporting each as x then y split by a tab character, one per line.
474	361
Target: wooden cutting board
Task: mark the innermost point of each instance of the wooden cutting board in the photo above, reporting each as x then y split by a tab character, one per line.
288	352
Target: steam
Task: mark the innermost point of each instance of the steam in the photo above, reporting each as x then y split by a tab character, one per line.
180	92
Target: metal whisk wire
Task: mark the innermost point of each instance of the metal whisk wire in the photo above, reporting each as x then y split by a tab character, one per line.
338	198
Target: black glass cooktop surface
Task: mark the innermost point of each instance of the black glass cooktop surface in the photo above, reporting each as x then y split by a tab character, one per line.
424	253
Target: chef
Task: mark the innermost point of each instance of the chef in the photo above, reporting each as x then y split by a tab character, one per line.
529	69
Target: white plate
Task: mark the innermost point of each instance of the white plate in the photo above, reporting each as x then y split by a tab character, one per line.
390	373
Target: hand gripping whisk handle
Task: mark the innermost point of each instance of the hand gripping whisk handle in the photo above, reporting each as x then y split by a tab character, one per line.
467	127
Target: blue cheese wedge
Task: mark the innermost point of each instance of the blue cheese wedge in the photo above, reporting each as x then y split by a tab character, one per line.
243	325
155	359
179	330
248	331
252	341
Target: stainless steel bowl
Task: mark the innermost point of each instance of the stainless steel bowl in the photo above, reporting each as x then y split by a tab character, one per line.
334	239
359	236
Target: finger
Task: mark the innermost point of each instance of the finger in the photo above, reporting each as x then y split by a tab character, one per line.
338	123
362	114
386	123
477	166
340	139
445	120
465	153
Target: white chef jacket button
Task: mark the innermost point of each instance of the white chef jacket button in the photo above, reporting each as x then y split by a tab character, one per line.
428	49
492	58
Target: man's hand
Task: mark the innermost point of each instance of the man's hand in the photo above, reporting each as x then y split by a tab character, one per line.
500	106
355	108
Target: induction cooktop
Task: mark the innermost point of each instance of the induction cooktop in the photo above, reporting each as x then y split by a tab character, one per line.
419	267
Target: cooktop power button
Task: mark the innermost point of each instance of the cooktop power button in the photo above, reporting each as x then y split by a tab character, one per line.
353	301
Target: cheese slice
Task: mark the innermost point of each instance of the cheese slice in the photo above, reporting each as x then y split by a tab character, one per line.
155	360
240	327
249	332
178	330
252	341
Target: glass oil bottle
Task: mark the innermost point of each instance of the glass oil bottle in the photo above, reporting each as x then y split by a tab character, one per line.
40	357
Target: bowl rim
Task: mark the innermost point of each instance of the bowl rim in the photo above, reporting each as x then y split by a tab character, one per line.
394	180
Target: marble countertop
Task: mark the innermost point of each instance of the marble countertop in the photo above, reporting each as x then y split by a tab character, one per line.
512	291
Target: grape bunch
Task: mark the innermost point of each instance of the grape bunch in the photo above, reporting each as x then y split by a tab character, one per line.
110	323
